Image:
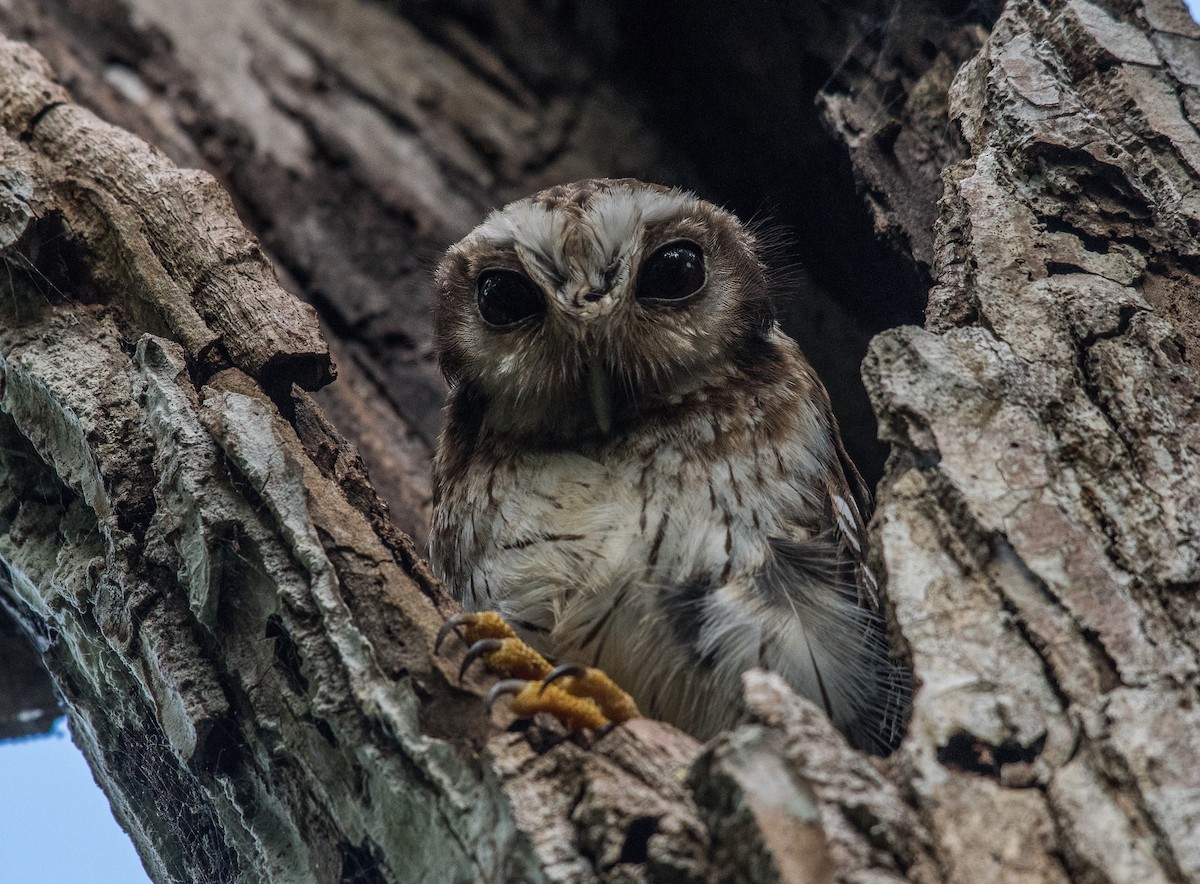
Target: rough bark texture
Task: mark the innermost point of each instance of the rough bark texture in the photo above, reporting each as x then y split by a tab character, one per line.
242	636
1043	502
242	639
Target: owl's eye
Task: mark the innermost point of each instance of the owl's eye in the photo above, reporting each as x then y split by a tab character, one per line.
506	298
673	273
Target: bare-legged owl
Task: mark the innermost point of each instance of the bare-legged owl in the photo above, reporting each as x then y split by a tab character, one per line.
640	471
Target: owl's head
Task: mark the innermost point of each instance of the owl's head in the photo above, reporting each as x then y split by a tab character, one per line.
576	309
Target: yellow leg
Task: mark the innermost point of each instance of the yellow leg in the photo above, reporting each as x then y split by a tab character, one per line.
584	681
493	641
580	697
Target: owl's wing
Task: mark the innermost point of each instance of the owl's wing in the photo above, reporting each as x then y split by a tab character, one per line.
829	545
847	507
837	642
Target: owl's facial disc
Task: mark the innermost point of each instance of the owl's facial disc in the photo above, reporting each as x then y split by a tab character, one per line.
590	304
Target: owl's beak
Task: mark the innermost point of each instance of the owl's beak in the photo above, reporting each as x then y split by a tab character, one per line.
600	392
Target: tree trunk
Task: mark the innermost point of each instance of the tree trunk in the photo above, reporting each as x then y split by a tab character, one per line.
243	635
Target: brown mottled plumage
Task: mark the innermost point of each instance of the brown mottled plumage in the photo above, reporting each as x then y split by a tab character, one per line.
640	471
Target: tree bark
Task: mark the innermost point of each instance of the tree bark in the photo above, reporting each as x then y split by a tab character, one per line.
242	633
1042	499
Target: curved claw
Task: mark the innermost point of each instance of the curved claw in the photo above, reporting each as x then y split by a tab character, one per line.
500	688
565	669
477	650
451	625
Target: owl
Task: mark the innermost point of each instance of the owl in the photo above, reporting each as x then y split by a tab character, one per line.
640	472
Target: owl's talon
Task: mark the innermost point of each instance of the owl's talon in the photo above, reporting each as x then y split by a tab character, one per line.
576	712
587	699
451	625
575	670
489	638
592	685
481	648
471	626
510	686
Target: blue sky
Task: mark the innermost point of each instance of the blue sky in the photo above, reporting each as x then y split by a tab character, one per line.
55	823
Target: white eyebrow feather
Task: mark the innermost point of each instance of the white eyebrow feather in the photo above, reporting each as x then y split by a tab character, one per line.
496	229
540	237
657	206
614	218
612	222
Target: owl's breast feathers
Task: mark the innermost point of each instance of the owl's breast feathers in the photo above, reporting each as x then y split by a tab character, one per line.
713	531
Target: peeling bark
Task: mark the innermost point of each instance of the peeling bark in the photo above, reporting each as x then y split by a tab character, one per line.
243	641
1042	505
242	635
